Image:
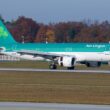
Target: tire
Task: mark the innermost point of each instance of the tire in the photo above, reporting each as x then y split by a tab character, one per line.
52	66
71	68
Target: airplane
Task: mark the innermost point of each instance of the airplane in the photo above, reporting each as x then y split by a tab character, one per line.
63	54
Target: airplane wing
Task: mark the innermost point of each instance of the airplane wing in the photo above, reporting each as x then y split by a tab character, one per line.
46	55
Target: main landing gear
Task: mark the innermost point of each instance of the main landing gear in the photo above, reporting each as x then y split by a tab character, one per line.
53	66
71	68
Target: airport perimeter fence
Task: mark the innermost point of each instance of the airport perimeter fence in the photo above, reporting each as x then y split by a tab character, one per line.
8	58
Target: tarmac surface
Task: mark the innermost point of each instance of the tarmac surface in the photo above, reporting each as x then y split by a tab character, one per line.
48	70
49	106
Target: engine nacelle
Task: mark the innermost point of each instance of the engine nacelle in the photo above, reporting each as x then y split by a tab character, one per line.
66	61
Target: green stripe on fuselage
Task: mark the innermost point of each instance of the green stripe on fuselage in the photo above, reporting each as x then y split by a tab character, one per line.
58	47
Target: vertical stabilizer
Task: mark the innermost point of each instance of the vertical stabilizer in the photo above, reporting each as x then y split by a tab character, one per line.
5	36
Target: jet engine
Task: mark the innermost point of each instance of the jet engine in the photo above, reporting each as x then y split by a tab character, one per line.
66	61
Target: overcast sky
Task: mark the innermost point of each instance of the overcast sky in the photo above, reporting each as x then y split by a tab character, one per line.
56	10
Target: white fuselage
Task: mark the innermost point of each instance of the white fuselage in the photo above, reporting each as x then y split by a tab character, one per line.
79	56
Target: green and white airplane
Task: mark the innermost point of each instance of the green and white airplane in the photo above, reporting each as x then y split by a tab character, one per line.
63	54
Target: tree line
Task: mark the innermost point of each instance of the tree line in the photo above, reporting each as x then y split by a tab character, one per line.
85	31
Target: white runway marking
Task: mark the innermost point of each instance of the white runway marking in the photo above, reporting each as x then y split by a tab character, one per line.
50	106
48	70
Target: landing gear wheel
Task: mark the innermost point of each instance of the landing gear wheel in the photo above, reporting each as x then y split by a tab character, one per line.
52	66
71	68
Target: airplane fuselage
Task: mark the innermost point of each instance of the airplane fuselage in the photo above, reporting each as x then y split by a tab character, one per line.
83	51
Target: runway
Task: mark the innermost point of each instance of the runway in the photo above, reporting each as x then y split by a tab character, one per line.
48	70
49	106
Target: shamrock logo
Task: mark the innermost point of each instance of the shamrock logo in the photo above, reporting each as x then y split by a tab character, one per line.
3	33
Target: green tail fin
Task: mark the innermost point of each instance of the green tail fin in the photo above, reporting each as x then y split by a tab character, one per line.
5	36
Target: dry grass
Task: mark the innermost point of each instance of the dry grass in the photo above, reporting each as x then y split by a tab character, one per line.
24	64
55	87
37	64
